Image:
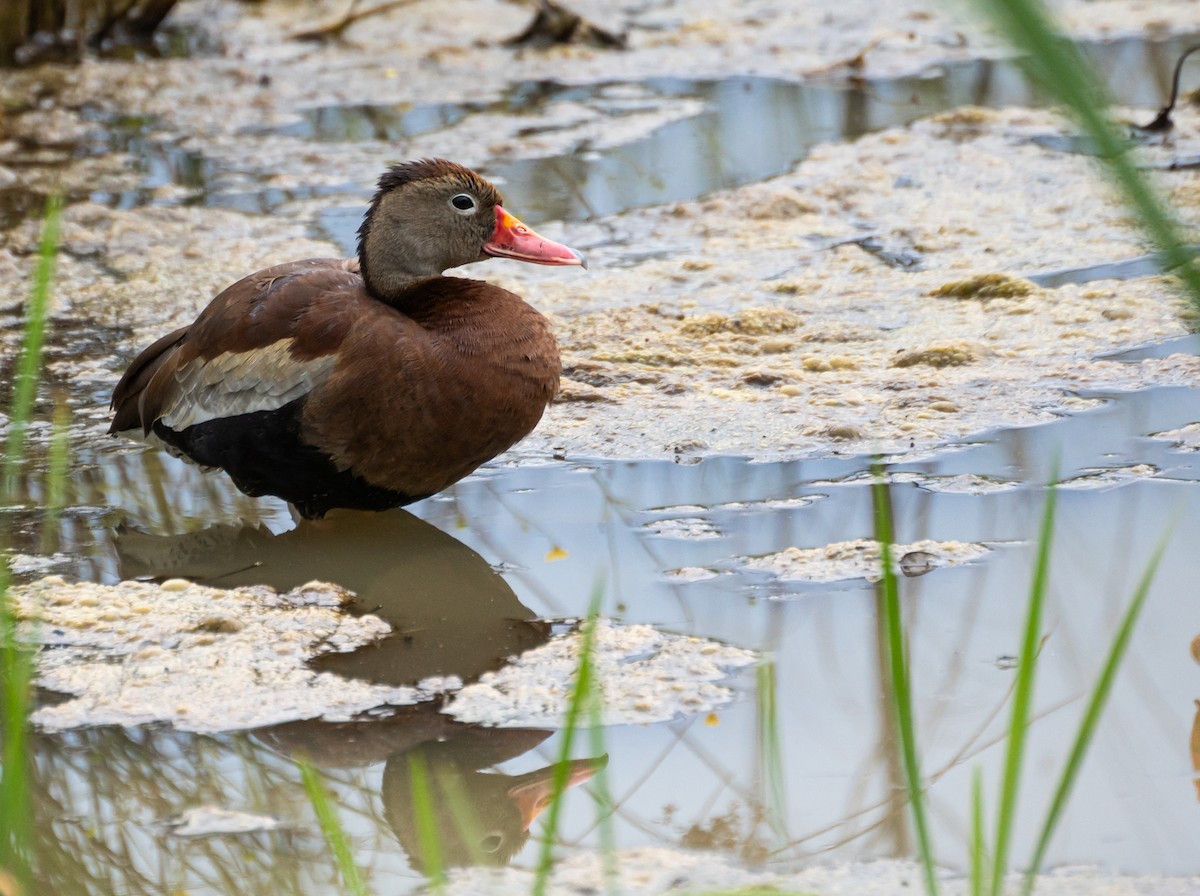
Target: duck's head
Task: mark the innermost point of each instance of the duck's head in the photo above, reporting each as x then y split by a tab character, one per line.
431	215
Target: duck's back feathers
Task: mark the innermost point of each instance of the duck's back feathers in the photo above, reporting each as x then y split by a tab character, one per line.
265	341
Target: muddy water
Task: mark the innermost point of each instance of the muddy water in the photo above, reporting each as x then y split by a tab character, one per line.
490	568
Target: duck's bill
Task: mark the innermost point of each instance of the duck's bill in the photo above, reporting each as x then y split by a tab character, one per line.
512	239
534	791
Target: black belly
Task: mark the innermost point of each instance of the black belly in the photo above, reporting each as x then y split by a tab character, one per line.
264	455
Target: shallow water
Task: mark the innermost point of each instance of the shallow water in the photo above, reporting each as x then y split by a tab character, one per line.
492	566
749	129
696	781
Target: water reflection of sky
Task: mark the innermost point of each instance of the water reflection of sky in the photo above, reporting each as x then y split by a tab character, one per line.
1134	807
749	129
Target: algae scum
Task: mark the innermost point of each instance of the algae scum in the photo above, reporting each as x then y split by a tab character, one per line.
745	733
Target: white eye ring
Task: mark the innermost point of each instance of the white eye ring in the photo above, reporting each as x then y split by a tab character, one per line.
463	203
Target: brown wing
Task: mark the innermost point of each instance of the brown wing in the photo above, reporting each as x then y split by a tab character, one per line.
263	342
126	413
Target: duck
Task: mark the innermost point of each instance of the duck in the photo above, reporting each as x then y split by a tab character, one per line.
364	383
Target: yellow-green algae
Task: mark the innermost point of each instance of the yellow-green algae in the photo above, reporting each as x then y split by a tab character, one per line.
949	354
986	286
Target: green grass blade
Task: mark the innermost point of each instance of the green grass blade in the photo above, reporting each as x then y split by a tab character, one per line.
16	808
605	806
900	690
56	475
453	795
16	665
580	699
30	362
427	832
331	827
1091	716
769	740
1064	74
978	868
1023	696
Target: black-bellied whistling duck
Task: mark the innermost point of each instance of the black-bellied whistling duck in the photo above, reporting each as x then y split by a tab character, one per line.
365	383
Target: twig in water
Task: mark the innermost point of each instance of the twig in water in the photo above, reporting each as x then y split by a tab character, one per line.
1163	122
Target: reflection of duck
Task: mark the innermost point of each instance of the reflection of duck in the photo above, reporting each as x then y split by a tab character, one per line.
1196	748
364	383
452	613
481	817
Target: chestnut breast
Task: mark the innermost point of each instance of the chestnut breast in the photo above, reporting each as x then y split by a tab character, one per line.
419	398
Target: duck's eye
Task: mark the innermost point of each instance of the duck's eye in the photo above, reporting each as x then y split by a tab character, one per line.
463	204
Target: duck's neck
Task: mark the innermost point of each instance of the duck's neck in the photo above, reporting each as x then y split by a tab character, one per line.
394	258
392	284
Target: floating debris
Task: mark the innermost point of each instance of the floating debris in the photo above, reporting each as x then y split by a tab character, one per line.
25	564
1107	478
644	676
792	503
210	821
860	559
918	563
649	871
202	659
690	528
1186	438
962	484
688	574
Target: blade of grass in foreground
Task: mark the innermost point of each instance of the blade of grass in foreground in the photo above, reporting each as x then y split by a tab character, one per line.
56	475
427	832
16	665
579	700
1064	74
1091	716
30	363
16	809
335	836
901	690
1022	697
600	790
978	854
769	741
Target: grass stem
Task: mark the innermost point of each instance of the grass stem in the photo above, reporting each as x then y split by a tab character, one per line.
1022	697
331	828
1091	715
900	689
580	699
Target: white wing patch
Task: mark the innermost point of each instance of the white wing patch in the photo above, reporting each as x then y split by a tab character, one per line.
234	383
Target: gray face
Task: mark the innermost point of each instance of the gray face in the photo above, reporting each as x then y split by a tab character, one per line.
424	227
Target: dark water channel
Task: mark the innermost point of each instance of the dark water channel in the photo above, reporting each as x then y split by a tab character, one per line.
749	128
491	567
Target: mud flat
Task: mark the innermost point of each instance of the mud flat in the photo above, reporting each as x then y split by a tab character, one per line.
875	297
